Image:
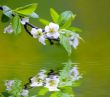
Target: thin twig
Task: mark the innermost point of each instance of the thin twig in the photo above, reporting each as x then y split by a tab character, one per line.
25	27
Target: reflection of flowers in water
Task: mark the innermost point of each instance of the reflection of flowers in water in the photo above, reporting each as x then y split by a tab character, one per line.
74	74
61	32
50	80
42	79
38	80
52	83
25	93
9	84
69	76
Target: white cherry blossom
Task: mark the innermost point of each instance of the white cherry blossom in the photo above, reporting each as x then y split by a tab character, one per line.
8	29
74	40
24	20
37	33
52	30
42	39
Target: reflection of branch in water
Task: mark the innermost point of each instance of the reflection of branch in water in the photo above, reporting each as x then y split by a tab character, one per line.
1	8
66	78
26	86
50	73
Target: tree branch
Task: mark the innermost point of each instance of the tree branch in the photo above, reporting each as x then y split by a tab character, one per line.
51	40
25	27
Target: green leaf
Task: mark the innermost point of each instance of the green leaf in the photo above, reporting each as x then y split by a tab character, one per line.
54	94
26	10
34	15
4	94
76	84
66	18
67	32
16	24
33	96
75	29
54	15
65	42
4	18
43	21
68	90
61	94
43	91
67	23
7	11
66	82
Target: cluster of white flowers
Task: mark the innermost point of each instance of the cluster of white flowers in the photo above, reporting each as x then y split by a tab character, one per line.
38	80
50	31
9	28
50	81
42	79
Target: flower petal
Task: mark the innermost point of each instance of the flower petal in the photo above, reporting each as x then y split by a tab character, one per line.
24	20
47	29
8	29
42	40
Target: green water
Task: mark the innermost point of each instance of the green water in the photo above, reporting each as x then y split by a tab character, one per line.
22	56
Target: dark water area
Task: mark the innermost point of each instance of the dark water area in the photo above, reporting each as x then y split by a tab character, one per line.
22	56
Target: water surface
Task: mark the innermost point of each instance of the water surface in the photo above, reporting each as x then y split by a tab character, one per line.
22	56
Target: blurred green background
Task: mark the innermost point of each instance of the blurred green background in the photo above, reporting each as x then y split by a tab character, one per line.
22	56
